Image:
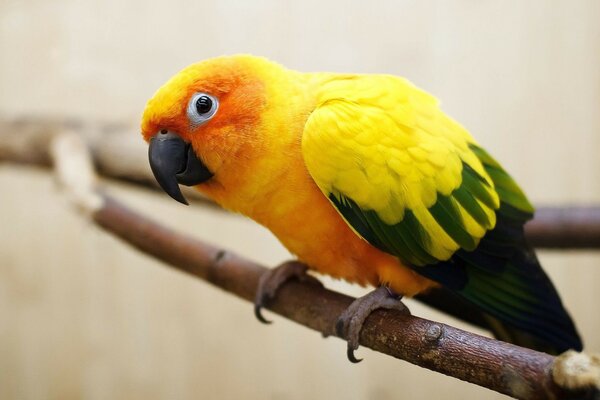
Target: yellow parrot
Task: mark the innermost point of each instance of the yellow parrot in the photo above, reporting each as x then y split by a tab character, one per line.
362	177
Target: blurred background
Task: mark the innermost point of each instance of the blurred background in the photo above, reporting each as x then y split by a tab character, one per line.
83	316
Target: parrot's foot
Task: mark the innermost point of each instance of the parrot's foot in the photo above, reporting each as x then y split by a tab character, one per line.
272	280
350	323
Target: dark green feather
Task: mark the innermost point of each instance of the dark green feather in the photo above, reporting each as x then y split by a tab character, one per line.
477	186
408	239
510	193
448	216
469	203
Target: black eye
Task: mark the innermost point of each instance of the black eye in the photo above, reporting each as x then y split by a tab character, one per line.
203	104
201	108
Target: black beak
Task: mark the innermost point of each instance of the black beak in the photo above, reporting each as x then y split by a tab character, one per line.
174	162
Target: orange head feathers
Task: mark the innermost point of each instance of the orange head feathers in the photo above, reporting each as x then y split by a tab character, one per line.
255	105
229	81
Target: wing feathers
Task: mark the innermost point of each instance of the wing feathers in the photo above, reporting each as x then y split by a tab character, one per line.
473	207
413	183
448	216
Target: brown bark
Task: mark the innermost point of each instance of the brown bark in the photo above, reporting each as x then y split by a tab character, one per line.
565	228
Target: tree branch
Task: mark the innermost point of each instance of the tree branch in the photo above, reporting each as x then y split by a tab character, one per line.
119	153
503	367
565	228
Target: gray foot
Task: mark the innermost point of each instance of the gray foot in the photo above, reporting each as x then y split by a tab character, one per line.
350	323
272	280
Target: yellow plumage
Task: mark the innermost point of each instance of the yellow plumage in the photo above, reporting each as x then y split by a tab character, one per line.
384	143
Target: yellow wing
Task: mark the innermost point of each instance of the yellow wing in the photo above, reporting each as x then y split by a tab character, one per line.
402	173
413	183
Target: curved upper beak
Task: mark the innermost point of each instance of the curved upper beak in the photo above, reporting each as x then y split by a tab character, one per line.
174	162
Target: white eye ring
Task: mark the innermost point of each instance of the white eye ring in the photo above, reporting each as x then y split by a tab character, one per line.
201	108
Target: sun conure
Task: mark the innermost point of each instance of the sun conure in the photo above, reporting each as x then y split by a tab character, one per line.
362	177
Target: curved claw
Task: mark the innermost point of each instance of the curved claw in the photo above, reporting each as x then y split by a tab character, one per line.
258	312
271	281
350	355
350	322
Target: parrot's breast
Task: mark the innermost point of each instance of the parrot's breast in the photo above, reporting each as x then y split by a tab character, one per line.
308	225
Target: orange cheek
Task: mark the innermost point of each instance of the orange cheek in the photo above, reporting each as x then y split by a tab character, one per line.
229	137
210	145
227	141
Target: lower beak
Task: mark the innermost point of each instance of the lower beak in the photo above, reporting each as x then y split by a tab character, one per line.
174	162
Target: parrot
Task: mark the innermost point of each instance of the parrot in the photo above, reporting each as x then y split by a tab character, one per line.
364	178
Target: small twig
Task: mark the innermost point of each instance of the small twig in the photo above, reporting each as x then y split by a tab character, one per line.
565	228
503	367
75	171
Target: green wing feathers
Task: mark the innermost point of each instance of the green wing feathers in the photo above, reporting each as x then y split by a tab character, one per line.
510	193
413	240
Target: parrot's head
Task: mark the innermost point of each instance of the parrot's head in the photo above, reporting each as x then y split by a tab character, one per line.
207	126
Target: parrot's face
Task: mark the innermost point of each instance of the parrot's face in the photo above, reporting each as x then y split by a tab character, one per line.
202	125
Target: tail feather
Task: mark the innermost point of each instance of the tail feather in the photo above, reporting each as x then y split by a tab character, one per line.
457	306
507	293
450	303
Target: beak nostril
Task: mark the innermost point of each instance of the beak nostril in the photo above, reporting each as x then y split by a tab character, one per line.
163	131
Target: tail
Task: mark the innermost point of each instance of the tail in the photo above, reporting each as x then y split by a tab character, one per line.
501	283
518	304
532	315
450	303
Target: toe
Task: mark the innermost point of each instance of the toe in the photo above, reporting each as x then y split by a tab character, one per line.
351	321
271	281
258	306
340	327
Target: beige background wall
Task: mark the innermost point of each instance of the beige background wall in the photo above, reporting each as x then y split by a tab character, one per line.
83	316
